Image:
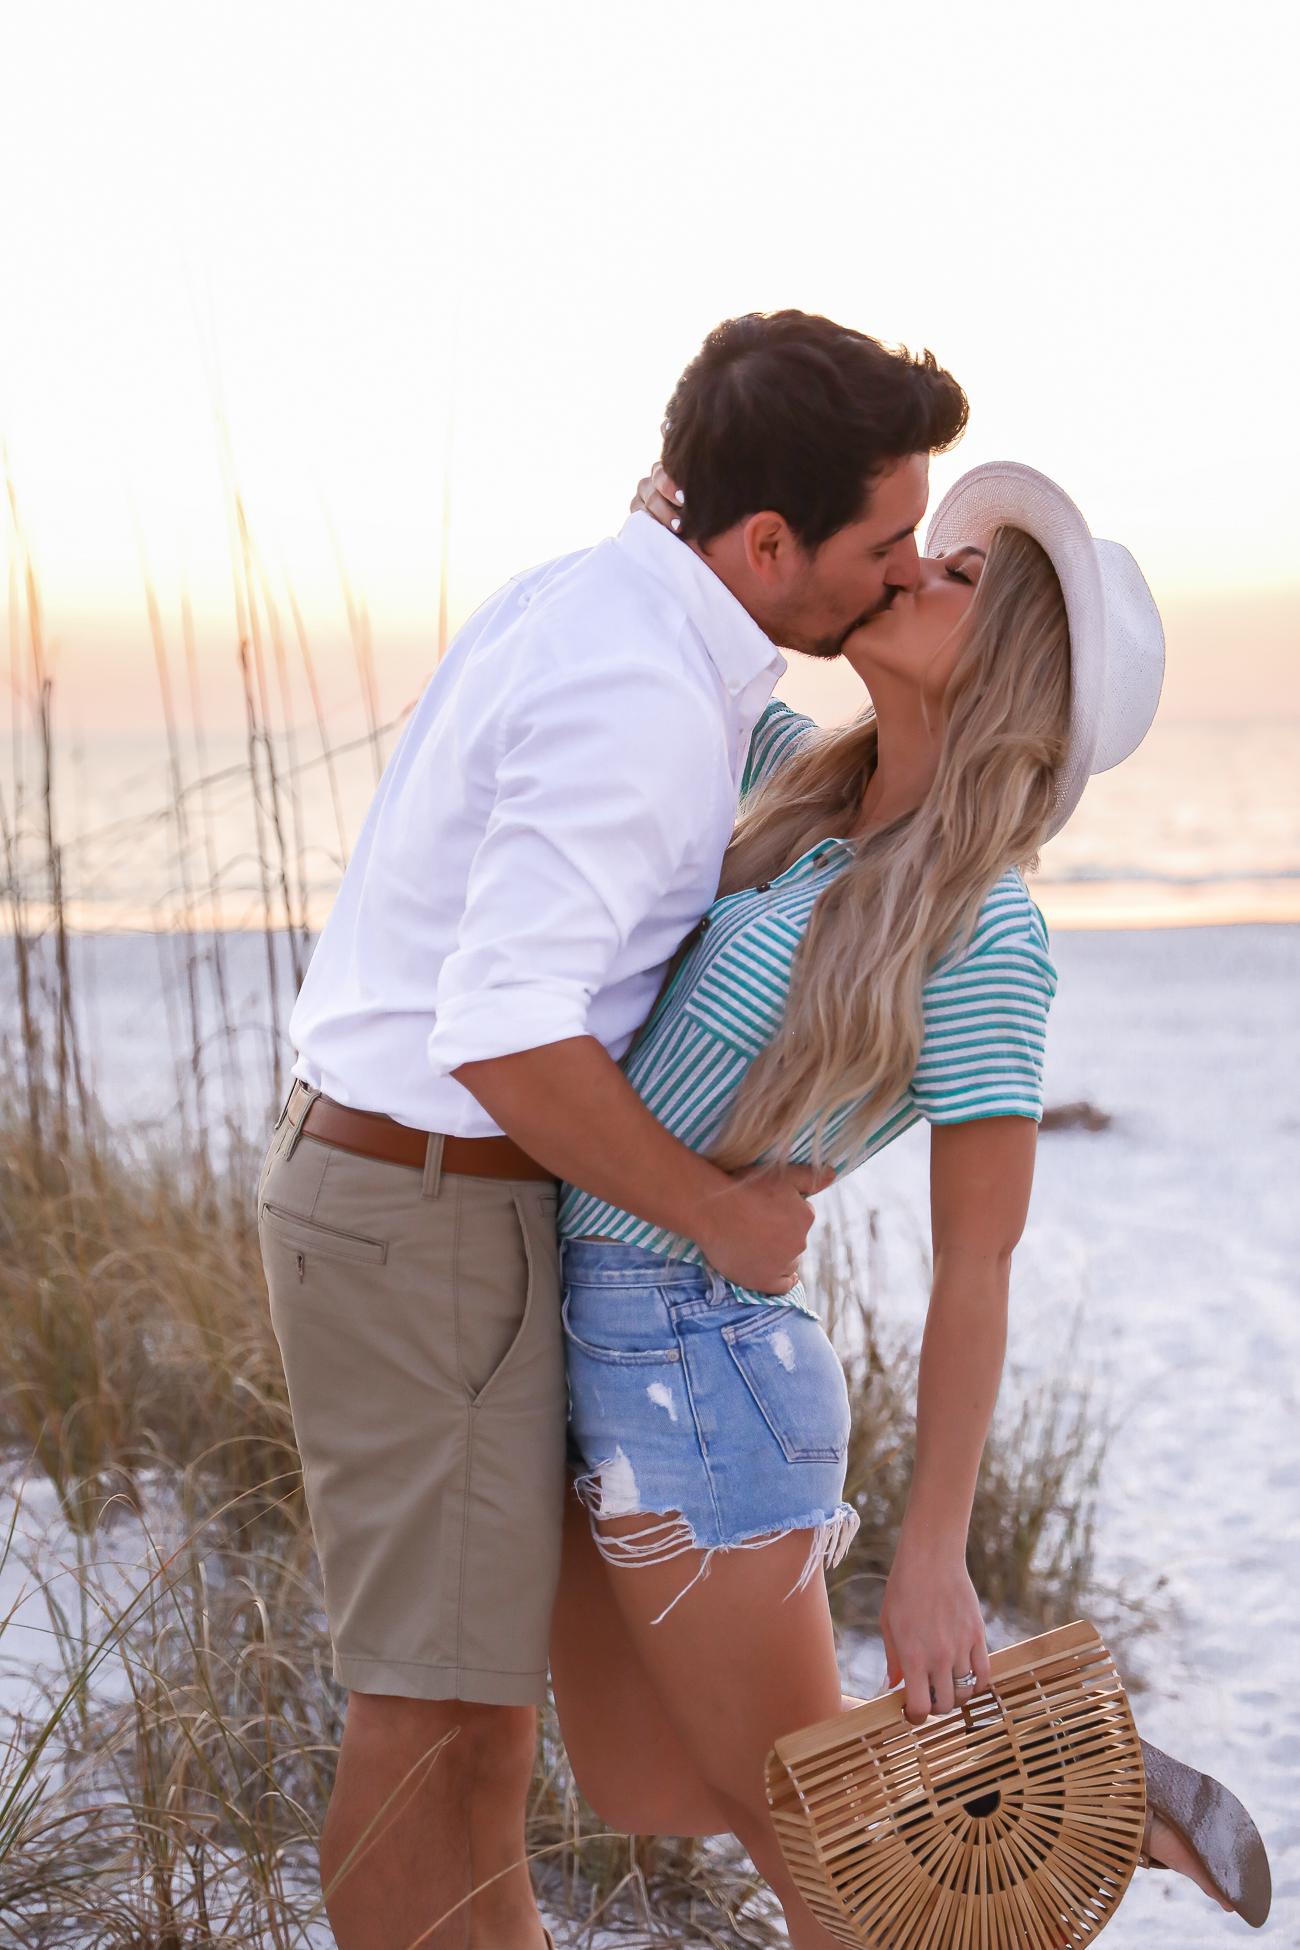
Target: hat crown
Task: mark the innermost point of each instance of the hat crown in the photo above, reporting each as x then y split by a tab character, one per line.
1117	648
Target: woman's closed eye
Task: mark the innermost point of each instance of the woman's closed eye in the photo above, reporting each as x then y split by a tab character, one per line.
964	565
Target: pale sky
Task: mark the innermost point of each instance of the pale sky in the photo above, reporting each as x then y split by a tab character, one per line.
520	220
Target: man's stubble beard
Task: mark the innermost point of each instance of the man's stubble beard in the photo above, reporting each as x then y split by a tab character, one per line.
825	649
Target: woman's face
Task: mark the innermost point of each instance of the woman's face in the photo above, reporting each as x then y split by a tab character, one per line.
915	643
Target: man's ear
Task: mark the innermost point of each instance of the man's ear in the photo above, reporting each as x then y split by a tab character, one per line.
770	547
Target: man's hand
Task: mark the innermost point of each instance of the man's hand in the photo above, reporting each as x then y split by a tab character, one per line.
756	1225
570	1107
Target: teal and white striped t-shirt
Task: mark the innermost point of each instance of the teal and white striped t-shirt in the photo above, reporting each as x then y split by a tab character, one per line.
985	1019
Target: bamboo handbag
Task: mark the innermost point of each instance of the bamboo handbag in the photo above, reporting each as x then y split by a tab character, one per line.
1013	1823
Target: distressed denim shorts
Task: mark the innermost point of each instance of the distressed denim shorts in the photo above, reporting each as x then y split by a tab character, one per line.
729	1420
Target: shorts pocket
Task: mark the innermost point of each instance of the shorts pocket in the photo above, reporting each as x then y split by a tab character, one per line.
795	1377
619	1357
307	1235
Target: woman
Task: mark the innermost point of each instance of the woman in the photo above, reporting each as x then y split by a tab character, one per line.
873	957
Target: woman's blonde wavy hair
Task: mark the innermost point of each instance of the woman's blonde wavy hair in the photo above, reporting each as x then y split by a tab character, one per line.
853	1023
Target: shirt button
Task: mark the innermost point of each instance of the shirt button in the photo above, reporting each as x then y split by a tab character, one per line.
763	887
704	922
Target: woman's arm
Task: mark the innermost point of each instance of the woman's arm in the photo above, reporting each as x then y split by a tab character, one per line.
980	1179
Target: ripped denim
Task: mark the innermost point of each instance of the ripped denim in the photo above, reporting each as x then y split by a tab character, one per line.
728	1421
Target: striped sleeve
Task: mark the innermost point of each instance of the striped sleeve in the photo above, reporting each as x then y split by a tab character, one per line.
986	1017
776	738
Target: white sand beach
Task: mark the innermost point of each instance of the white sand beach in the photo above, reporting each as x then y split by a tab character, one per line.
1172	1238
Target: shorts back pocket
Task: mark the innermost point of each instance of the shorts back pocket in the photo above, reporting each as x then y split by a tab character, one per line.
795	1377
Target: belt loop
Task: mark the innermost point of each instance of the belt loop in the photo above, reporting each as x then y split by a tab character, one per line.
432	1166
308	1098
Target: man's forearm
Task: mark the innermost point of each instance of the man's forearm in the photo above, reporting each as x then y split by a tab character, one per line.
570	1107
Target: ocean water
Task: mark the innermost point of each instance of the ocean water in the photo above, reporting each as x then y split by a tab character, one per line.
1201	825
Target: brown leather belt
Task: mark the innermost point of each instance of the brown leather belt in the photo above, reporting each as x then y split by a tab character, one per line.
372	1136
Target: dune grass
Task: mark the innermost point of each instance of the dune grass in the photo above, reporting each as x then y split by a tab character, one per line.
189	1725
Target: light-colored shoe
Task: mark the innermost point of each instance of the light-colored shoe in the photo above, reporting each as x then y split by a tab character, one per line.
1215	1826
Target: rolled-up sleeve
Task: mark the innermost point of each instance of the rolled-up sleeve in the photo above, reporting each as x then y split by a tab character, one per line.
602	790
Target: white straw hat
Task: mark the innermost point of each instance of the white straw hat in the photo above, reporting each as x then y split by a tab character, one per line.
1117	645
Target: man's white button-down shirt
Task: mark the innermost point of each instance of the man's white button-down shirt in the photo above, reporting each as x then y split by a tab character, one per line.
550	825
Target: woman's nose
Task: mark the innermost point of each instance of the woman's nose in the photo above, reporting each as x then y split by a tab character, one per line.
929	570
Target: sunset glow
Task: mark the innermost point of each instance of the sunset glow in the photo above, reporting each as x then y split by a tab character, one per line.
364	230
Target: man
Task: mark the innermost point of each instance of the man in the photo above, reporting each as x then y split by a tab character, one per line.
549	828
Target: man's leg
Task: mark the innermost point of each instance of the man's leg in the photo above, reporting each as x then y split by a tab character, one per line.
418	1318
428	1805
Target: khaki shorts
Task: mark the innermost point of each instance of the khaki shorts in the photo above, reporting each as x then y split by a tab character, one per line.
419	1322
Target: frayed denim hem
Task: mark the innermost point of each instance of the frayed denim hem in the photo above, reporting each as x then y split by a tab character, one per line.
674	1535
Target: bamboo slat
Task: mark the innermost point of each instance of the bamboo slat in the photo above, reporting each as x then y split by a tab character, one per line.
1013	1823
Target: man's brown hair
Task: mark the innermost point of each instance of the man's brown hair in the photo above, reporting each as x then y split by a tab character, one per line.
790	412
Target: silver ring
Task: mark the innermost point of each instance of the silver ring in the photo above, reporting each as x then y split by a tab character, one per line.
967	1679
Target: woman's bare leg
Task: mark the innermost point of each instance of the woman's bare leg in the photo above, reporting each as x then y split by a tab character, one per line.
740	1660
638	1729
624	1751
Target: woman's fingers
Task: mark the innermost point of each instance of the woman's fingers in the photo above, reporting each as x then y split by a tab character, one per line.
657	494
664	484
943	1694
932	1683
648	500
918	1701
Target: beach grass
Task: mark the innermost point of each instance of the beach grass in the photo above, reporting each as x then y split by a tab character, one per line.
189	1724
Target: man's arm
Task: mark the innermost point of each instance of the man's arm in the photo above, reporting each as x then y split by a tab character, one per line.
570	1107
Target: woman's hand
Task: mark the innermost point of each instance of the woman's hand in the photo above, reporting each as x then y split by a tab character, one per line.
660	496
933	1631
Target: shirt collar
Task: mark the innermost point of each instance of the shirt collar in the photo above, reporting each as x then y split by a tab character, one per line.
738	649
